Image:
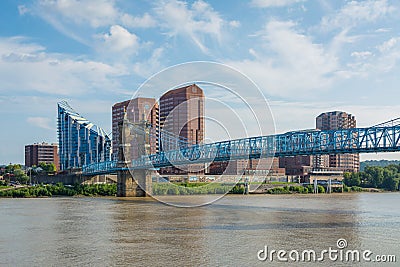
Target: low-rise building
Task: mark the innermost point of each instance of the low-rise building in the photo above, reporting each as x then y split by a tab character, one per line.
41	152
324	176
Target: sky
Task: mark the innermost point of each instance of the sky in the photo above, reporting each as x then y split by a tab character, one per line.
306	56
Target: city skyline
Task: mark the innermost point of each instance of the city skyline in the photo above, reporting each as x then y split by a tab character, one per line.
321	57
157	103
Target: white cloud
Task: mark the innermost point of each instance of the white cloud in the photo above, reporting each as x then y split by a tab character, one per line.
40	122
95	13
361	55
195	21
22	9
27	66
356	12
234	23
383	30
388	45
274	3
253	53
341	39
150	66
145	21
290	63
383	59
291	115
82	19
119	40
390	54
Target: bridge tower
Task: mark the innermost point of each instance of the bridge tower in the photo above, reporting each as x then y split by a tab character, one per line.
133	183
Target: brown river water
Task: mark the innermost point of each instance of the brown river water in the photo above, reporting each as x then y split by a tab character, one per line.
229	232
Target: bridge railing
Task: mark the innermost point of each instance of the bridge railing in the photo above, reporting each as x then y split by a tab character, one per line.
100	167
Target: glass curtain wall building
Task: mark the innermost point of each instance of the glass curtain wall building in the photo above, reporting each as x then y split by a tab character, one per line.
80	141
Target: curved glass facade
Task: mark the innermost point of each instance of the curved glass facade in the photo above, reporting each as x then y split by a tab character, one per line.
80	141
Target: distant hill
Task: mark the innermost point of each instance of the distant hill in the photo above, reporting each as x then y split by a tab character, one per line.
380	163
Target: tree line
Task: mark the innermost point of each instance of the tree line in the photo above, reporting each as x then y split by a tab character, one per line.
14	172
387	177
380	163
61	190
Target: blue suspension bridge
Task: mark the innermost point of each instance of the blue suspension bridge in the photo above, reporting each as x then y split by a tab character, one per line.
384	137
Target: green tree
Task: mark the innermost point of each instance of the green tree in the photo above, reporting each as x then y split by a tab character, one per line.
47	167
393	168
389	183
352	179
20	176
12	167
387	177
374	176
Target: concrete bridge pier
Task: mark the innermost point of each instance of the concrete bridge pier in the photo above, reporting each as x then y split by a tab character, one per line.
132	183
129	186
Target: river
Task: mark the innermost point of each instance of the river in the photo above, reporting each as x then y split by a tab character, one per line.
230	232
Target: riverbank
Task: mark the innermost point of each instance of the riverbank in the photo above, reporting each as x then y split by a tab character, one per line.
164	189
269	188
61	190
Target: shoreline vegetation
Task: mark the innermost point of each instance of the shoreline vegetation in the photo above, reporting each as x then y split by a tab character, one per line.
284	188
60	189
101	190
386	178
372	179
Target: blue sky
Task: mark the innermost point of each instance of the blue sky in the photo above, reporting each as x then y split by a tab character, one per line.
306	56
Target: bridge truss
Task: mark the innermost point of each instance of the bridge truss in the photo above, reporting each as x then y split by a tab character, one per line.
380	138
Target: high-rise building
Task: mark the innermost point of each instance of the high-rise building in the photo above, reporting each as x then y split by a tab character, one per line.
118	113
182	115
41	152
80	141
339	120
335	120
136	110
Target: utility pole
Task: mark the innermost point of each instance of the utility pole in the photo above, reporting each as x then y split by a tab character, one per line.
30	175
